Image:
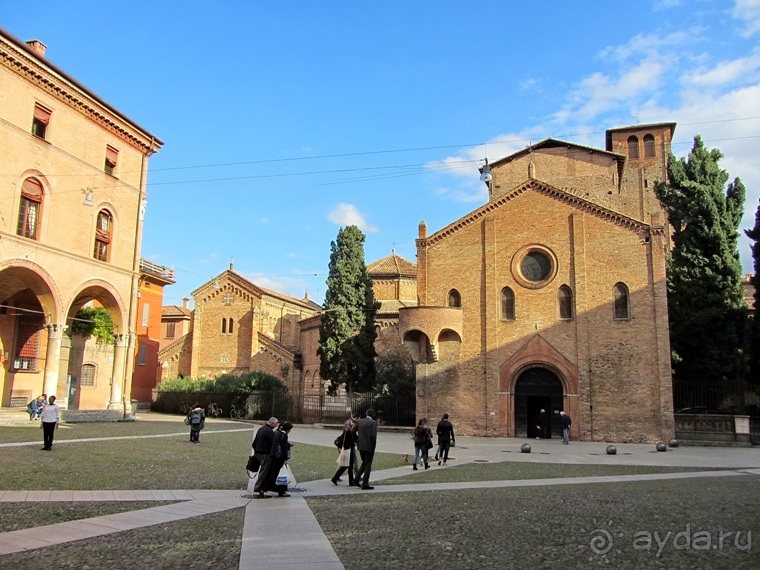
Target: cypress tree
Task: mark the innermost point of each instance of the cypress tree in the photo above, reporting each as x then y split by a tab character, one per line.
705	297
754	356
347	329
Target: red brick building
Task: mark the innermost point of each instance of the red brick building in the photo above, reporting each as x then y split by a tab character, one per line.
551	296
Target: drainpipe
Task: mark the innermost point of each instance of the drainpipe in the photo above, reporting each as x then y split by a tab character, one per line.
134	288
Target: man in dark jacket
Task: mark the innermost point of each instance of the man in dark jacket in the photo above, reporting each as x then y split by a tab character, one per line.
262	446
445	433
566	422
366	442
543	425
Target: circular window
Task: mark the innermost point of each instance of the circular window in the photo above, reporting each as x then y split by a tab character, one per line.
534	266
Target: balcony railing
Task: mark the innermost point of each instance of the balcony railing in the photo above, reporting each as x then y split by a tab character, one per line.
155	269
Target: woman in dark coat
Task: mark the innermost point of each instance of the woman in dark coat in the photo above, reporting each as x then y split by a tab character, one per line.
278	456
348	439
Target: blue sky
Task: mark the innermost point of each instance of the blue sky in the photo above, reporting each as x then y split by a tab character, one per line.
283	121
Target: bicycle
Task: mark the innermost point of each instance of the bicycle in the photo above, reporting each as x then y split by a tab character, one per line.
235	413
184	407
213	411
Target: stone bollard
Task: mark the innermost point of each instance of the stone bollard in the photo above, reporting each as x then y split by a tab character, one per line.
673	443
611	450
525	448
661	447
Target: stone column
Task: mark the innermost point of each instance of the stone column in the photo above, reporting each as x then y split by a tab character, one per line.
52	360
117	377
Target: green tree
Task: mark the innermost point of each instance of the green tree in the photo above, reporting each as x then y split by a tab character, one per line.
705	299
754	351
93	321
395	375
347	330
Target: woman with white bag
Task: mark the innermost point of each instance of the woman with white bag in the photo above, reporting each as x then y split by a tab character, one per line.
278	461
347	453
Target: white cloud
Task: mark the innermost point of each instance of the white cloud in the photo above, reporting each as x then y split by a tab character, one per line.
348	215
727	72
292	286
264	220
749	12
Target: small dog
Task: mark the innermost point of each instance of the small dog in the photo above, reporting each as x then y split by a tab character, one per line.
405	458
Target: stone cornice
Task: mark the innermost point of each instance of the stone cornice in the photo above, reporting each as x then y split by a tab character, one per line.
65	89
564	196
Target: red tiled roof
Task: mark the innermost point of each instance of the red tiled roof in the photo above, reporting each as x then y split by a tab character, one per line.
392	265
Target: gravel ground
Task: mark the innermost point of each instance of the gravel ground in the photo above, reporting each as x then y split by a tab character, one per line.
212	541
582	526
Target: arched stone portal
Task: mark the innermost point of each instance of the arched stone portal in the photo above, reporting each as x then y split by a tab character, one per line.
536	389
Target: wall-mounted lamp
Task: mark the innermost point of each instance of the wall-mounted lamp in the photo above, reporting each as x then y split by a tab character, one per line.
87	196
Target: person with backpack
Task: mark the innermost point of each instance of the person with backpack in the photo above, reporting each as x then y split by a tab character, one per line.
197	422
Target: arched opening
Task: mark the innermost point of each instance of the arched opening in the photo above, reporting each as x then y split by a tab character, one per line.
453	299
537	389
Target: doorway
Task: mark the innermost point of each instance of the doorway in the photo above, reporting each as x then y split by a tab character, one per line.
537	389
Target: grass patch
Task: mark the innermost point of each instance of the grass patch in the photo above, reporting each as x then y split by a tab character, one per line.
546	527
508	471
150	462
211	541
17	516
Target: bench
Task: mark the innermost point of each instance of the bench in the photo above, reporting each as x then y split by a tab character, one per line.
20	398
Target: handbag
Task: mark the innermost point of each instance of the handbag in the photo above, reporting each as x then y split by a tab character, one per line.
339	440
344	458
187	420
428	443
284	477
253	464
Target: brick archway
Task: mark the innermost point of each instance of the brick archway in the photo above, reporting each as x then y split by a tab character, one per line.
537	353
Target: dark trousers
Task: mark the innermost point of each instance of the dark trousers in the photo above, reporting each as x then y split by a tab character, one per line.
444	453
366	467
195	433
350	468
48	431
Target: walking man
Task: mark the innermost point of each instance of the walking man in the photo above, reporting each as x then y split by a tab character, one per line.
445	433
543	425
566	423
262	446
367	441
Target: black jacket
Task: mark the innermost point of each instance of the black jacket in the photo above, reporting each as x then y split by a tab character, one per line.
445	432
262	443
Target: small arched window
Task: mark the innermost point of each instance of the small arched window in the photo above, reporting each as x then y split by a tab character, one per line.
224	326
30	209
633	147
565	301
507	304
103	233
649	146
454	299
621	307
230	325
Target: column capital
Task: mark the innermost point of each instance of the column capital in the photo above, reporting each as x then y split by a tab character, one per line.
55	330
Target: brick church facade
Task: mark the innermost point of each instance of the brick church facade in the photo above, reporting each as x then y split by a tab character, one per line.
551	296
